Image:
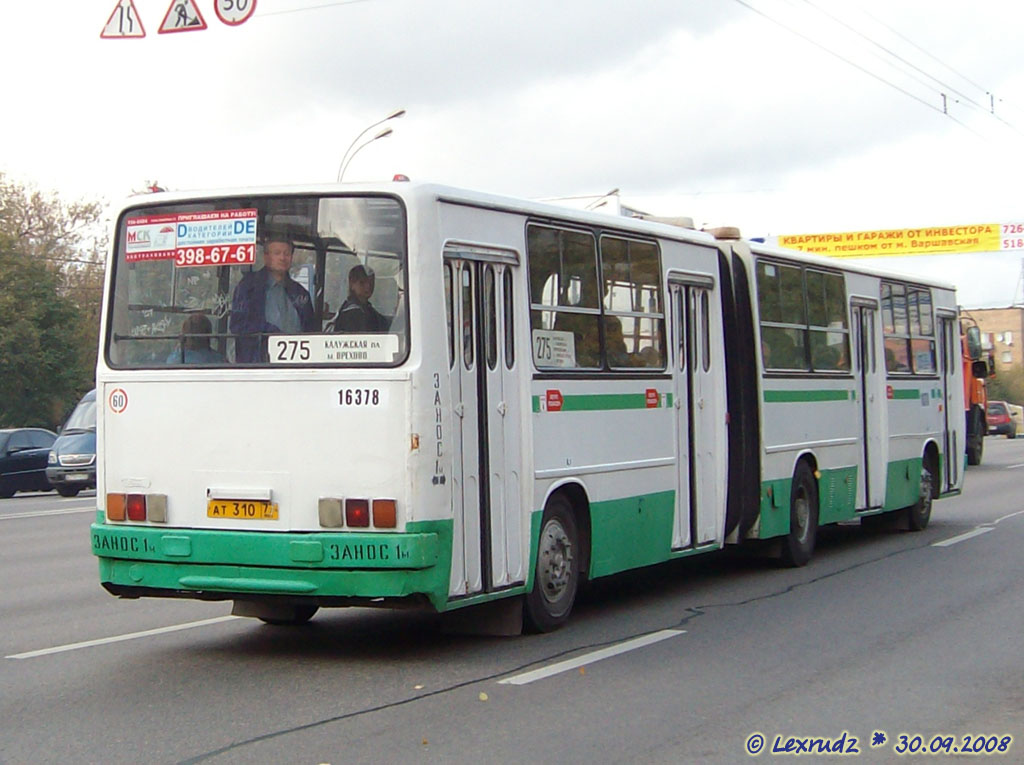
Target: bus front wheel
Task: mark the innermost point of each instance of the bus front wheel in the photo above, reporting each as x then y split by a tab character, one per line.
798	545
557	574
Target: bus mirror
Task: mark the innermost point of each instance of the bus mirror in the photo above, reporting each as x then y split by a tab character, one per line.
979	369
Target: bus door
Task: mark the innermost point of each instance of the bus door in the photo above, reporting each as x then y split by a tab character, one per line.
486	499
695	519
870	378
952	404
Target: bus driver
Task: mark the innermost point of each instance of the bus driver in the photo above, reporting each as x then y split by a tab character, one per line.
268	301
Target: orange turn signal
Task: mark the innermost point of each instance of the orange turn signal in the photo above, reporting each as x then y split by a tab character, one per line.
115	507
385	515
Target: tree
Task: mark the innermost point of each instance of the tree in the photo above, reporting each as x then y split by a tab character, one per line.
51	274
1008	385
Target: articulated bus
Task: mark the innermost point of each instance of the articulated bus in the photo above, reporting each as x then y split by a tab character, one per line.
530	397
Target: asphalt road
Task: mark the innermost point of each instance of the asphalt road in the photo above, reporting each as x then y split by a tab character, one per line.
885	632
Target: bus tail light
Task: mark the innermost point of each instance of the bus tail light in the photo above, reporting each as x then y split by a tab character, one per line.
385	516
357	513
115	507
137	507
329	510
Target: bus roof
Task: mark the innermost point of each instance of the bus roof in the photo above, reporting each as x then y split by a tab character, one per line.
484	200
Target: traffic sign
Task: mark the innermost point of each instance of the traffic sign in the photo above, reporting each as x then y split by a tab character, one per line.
182	16
234	12
124	22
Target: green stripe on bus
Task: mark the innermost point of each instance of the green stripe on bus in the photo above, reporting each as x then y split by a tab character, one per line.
912	394
604	402
800	396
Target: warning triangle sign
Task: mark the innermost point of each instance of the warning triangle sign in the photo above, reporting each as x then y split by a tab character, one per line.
123	22
182	16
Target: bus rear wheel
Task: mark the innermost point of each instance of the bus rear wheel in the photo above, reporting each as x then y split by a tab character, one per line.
919	513
798	545
556	578
300	615
277	613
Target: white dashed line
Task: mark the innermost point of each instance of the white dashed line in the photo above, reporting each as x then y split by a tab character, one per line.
590	658
119	638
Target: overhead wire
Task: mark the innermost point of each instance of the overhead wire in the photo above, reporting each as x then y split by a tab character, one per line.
896	55
859	67
967	100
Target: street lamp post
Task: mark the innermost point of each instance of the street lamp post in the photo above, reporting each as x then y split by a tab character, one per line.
352	150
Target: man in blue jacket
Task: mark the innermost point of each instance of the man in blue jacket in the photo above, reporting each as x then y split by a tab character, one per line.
269	301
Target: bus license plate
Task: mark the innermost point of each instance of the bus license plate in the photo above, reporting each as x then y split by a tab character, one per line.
243	510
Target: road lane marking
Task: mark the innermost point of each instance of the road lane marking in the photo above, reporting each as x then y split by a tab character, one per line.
38	513
1014	467
963	537
590	658
119	638
1007	517
977	531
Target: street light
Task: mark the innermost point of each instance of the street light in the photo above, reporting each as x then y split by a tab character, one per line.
382	134
349	153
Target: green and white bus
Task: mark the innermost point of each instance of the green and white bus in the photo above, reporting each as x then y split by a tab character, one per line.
532	397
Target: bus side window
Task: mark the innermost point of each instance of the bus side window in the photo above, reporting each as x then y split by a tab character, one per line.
467	316
448	304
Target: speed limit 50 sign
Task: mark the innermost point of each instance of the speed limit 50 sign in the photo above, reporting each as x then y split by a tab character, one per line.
234	12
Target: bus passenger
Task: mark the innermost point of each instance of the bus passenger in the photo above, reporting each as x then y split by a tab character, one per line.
615	343
195	343
357	314
268	301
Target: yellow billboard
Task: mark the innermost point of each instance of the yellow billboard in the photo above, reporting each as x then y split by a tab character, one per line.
936	240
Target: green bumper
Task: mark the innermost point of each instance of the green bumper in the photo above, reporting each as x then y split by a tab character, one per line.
317	564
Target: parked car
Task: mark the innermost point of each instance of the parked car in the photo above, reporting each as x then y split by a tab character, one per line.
23	455
1017	415
999	420
72	461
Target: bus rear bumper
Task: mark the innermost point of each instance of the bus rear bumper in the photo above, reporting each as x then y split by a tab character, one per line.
326	567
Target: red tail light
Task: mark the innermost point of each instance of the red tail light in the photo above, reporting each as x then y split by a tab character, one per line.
357	513
136	507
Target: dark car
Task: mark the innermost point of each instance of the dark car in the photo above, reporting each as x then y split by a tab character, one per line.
23	455
999	420
72	465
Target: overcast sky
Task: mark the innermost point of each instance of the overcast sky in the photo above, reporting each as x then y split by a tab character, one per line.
778	116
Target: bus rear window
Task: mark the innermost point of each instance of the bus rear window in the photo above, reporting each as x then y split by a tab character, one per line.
260	281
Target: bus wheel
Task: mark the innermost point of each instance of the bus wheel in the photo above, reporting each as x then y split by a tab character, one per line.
300	615
919	513
556	578
278	614
798	545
